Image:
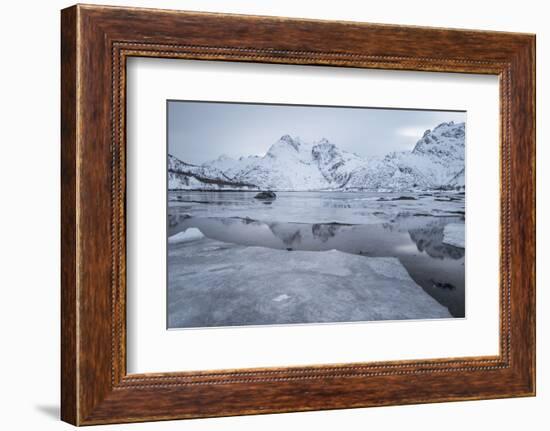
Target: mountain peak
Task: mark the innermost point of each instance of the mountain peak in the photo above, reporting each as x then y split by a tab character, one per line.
444	124
323	149
282	144
286	138
446	139
322	141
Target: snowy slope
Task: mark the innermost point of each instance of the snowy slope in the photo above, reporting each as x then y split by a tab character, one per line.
183	175
458	180
287	165
436	161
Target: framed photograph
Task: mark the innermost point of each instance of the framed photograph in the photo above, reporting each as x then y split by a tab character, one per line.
264	214
297	229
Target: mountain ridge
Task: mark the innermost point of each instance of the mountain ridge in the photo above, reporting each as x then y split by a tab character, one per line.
436	161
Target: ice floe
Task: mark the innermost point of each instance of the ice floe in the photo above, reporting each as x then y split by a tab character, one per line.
453	234
188	235
213	283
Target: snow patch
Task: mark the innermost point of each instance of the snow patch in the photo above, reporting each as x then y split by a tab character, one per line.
282	297
191	234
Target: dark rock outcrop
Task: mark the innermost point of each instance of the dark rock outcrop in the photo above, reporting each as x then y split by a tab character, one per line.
267	195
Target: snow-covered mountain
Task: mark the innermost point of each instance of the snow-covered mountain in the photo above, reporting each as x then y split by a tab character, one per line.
183	175
436	161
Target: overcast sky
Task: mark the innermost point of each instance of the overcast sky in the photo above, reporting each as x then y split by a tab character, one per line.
202	131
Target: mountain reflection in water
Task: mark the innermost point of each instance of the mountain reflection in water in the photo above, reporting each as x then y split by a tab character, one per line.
416	241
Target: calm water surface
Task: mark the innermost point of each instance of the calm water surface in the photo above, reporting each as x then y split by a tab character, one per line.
406	226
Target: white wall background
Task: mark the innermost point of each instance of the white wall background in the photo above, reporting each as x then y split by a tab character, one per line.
29	216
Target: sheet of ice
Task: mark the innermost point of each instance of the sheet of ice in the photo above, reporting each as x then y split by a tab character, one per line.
454	234
212	283
188	235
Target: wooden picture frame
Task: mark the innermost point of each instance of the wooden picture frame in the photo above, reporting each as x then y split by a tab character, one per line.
95	43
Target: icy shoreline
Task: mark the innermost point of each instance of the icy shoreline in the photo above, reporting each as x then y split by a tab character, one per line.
213	283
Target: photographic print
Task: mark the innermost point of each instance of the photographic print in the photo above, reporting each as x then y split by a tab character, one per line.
297	214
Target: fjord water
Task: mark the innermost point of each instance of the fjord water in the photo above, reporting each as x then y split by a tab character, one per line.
406	226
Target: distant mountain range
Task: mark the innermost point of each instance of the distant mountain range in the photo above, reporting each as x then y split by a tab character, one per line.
436	161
